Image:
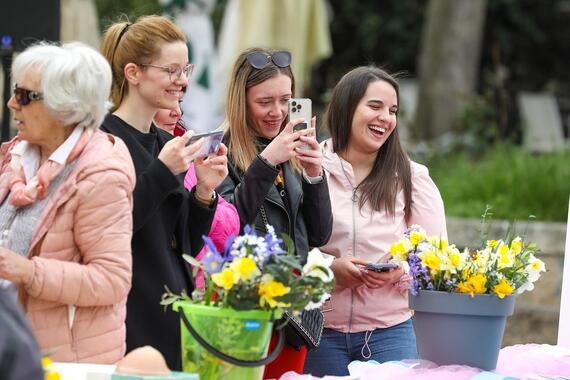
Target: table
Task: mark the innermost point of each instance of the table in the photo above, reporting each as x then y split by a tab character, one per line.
528	361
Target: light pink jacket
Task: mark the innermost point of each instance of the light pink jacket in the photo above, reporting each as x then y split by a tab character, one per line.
81	254
368	235
225	223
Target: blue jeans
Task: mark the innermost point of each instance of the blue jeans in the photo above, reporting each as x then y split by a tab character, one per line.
338	349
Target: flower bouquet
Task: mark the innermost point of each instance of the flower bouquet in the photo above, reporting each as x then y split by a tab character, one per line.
247	287
462	298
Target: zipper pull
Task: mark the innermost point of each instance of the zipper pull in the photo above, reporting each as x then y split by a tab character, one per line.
354	197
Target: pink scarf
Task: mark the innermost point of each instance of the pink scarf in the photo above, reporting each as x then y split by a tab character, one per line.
22	193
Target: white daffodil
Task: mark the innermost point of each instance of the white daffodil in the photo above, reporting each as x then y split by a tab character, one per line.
318	265
534	267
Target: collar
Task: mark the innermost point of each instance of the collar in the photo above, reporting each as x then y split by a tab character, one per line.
30	153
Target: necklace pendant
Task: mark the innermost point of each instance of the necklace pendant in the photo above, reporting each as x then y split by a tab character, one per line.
354	197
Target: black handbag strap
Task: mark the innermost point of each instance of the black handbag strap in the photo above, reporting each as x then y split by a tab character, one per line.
230	359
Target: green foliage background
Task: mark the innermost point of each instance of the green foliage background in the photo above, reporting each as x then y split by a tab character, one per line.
516	183
525	48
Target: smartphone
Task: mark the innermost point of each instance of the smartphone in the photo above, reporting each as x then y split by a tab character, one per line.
300	107
381	267
211	143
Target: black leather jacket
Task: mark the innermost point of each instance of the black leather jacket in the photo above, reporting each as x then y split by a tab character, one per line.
309	223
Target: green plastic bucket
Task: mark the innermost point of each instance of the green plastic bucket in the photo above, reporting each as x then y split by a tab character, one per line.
225	343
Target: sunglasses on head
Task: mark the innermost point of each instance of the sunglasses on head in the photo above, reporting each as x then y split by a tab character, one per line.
259	60
24	96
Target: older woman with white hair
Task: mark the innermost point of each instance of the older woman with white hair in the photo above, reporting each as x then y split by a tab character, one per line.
65	205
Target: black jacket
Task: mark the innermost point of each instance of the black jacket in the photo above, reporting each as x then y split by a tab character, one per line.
167	222
309	223
19	352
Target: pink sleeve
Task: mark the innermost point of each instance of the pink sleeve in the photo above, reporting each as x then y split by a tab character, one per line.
190	178
427	205
226	218
225	223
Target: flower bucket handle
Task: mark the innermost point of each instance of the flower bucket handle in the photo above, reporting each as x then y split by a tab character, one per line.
230	359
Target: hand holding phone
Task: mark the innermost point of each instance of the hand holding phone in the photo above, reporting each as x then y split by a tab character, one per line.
381	267
211	143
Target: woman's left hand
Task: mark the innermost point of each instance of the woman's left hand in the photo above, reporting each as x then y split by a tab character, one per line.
310	155
210	172
14	267
377	280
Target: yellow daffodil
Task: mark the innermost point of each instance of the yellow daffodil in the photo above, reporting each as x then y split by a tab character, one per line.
416	237
432	261
225	279
269	289
244	268
400	249
436	241
476	284
516	245
503	288
50	375
46	362
506	257
492	243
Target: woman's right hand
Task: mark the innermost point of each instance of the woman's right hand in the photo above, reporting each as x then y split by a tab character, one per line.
282	147
346	272
177	156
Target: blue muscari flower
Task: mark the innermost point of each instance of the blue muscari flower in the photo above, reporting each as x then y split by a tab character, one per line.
248	230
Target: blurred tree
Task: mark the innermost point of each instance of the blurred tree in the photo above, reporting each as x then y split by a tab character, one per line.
364	32
111	11
448	63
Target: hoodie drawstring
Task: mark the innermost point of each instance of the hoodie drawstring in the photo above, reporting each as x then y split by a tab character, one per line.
365	347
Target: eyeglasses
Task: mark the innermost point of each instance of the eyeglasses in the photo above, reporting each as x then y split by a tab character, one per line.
174	73
24	96
259	60
179	128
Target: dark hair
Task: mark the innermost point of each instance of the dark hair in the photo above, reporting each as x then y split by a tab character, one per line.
391	170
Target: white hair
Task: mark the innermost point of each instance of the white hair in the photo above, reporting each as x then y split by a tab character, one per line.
75	81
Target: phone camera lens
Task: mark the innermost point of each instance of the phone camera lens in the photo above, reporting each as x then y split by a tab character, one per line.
299	107
293	103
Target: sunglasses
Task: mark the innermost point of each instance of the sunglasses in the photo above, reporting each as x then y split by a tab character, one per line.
24	96
259	60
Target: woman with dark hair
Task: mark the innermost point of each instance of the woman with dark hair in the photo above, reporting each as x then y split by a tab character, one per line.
149	60
273	179
377	193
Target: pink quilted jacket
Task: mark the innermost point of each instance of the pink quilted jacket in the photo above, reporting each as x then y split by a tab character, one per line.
81	251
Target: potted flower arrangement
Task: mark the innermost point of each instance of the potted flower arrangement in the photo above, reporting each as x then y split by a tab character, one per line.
462	298
226	326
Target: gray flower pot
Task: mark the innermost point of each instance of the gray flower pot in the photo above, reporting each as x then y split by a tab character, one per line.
453	328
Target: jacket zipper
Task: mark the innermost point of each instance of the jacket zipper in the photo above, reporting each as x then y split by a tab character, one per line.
286	213
354	255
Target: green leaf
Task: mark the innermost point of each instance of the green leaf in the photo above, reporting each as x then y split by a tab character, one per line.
192	260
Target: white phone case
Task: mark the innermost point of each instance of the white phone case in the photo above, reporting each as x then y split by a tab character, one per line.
300	107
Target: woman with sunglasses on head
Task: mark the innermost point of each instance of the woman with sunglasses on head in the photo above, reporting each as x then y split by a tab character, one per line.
65	205
377	193
272	178
226	218
149	60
